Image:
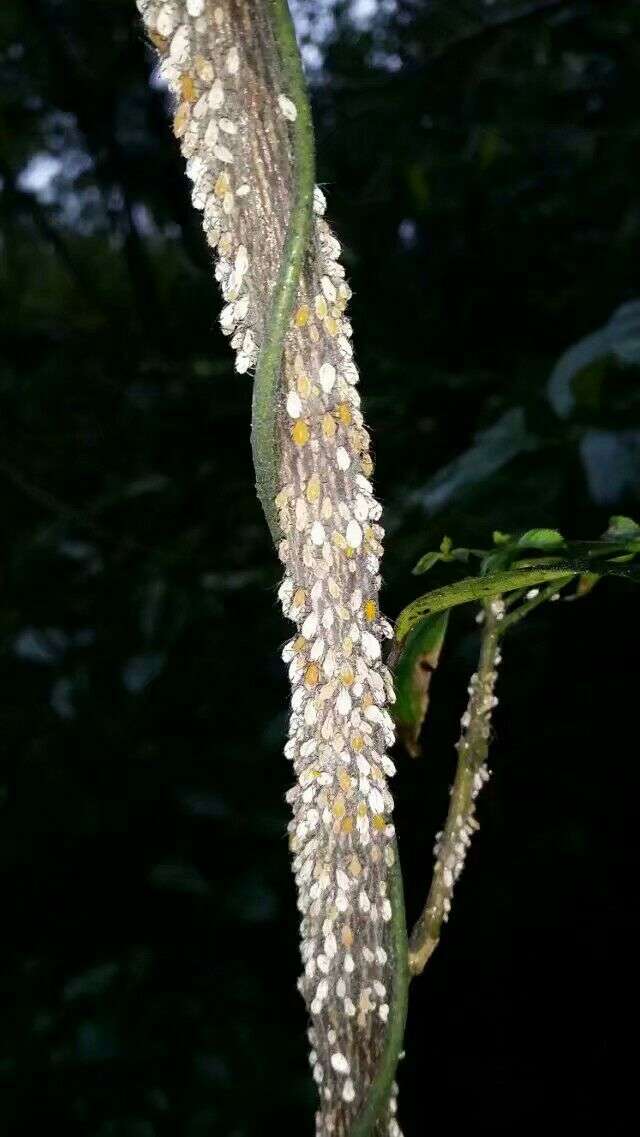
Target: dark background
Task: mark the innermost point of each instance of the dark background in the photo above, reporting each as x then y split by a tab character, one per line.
482	168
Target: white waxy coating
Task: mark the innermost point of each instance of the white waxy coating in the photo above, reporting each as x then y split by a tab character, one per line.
341	834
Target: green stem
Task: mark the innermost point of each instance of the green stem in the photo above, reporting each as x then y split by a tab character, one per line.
472	748
266	388
528	606
264	443
380	1088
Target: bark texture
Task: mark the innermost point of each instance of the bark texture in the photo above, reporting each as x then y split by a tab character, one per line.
233	116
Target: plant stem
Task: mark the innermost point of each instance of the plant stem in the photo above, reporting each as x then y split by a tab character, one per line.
528	606
471	773
266	395
380	1089
266	386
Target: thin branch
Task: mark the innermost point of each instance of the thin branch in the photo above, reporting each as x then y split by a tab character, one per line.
534	601
471	773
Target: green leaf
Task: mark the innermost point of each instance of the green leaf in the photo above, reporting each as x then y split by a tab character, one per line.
499	559
624	332
622	528
611	461
560	388
445	553
540	539
492	449
417	661
618	340
474	588
426	562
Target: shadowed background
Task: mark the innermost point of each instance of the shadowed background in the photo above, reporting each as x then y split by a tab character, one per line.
479	164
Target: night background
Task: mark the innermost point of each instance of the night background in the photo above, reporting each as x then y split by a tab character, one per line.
481	162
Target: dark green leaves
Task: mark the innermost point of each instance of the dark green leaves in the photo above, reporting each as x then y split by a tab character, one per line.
541	539
412	673
492	450
477	588
618	340
622	529
504	569
445	553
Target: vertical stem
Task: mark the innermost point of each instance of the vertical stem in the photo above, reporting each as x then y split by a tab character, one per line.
471	773
382	1085
265	455
266	387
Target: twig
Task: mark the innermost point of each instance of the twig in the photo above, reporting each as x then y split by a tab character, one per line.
471	773
541	596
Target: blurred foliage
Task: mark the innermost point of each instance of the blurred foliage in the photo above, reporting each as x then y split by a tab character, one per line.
479	160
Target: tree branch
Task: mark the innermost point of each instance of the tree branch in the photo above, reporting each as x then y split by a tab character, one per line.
471	773
244	126
534	601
